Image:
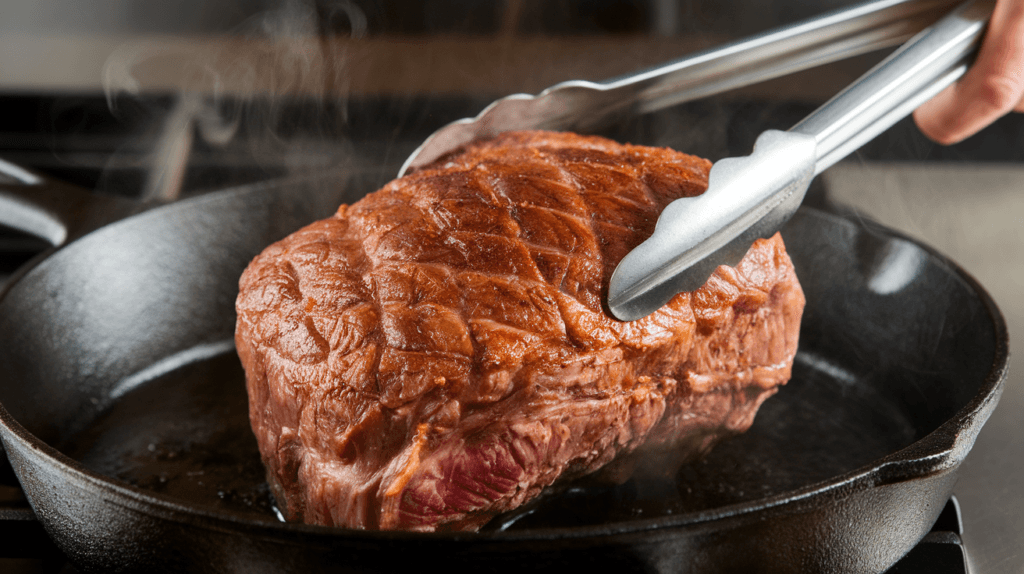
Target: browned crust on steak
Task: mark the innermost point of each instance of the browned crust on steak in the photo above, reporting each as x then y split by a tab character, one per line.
437	352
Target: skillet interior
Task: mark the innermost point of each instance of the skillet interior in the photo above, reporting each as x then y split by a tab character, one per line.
119	353
186	434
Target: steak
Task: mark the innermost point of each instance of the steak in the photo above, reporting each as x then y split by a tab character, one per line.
437	352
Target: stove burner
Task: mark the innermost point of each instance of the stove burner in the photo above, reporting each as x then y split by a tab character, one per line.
941	551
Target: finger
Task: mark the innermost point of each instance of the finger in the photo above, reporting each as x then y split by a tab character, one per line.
993	86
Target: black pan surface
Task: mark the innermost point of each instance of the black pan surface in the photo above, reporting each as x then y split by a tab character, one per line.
125	417
186	434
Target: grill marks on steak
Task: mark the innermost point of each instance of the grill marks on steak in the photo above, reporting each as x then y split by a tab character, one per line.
437	352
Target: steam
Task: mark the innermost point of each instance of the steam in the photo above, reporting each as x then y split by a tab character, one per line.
240	85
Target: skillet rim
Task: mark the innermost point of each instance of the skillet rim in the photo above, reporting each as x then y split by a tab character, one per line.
942	449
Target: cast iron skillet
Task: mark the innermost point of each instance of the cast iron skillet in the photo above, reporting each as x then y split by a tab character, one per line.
124	411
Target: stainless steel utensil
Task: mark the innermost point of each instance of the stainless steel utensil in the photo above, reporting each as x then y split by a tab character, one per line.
751	197
574	105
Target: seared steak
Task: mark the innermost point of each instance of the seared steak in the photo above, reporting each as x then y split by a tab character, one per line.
437	352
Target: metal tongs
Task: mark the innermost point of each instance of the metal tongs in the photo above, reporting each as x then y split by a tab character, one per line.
575	105
752	196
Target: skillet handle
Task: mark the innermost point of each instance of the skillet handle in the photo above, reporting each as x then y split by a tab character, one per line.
56	212
52	210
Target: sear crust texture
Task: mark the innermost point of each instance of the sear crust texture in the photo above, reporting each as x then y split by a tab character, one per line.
437	353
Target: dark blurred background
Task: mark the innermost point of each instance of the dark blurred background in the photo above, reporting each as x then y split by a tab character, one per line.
96	93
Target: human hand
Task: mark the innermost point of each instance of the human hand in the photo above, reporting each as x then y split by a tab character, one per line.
993	87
